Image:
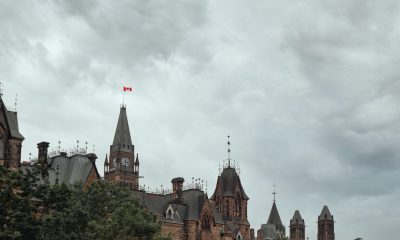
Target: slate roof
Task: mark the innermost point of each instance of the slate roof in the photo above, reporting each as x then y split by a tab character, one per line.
269	231
122	137
229	180
13	124
297	218
71	170
189	209
325	214
275	219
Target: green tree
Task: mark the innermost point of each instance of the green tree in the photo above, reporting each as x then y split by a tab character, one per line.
103	211
18	205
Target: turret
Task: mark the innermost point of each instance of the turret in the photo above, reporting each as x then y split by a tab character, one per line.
326	230
122	167
297	227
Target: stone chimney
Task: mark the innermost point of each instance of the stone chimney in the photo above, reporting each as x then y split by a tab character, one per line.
92	157
177	185
42	157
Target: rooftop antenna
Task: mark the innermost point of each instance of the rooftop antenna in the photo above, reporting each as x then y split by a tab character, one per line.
274	193
229	152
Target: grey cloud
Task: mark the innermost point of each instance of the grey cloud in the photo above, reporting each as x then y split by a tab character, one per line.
307	90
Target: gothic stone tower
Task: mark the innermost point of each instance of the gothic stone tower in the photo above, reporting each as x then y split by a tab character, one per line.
326	225
231	201
10	138
297	227
122	167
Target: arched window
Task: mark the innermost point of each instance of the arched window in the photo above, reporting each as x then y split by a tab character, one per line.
169	214
238	204
206	222
227	208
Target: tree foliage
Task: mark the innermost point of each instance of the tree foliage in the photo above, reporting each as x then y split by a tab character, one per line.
101	211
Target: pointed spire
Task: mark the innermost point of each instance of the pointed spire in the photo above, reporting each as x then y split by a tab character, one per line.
275	219
137	159
297	218
122	138
106	161
325	214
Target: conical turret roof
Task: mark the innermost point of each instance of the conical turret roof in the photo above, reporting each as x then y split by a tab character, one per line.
274	217
325	214
297	218
122	138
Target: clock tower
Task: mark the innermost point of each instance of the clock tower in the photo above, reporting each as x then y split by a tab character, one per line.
122	167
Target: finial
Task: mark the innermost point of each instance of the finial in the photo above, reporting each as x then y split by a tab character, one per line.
229	152
59	146
274	193
30	156
1	89
16	101
93	148
86	143
57	173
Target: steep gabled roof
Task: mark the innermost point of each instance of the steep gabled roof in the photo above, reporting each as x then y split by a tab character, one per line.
13	124
189	209
122	137
275	219
71	170
228	181
325	214
297	218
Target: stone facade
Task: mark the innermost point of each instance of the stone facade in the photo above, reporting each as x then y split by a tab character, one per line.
122	167
297	227
10	138
326	230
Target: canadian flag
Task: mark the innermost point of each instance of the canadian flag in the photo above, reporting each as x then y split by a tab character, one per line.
127	89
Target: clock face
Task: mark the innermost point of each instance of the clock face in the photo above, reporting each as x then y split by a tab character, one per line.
125	162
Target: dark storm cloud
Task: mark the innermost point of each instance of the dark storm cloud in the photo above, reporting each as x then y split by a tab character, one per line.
308	90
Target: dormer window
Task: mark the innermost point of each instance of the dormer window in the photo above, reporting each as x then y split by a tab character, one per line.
169	214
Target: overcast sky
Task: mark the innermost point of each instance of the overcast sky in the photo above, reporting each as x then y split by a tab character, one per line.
309	91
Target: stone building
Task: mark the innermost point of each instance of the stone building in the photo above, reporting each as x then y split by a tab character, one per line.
273	229
122	167
326	230
77	167
297	227
10	138
186	212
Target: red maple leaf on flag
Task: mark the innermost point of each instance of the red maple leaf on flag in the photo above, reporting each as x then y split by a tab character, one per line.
127	89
